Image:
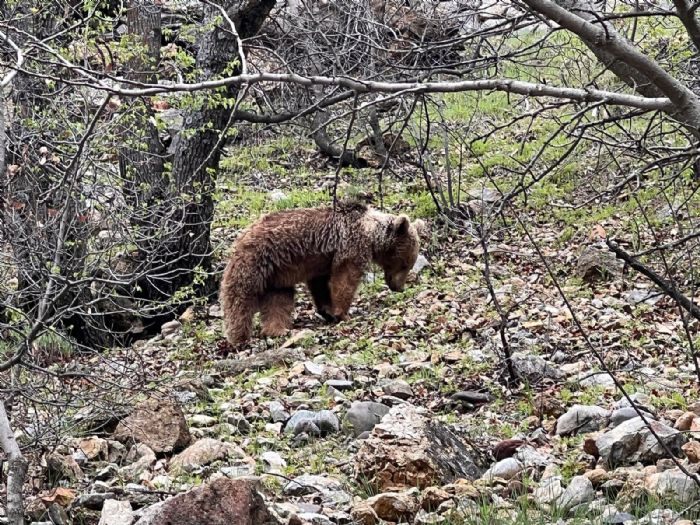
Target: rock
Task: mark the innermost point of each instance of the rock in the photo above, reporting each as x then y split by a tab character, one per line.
239	423
580	490
277	412
277	195
63	467
203	452
673	484
616	518
631	441
469	399
314	369
432	498
684	422
549	491
162	482
692	451
238	468
598	379
621	415
273	461
580	419
595	263
430	518
94	448
395	506
340	384
409	449
612	488
158	423
505	469
598	476
421	262
116	513
398	388
170	328
531	457
364	415
659	517
94	500
202	420
534	368
484	194
318	423
117	451
313	518
330	489
140	459
220	502
643	401
363	514
58	515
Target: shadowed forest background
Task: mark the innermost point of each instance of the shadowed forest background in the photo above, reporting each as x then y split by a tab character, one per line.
542	361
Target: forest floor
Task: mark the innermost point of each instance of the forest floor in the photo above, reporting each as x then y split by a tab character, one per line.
443	335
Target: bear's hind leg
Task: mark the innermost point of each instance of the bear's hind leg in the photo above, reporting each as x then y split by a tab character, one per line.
276	310
238	320
321	294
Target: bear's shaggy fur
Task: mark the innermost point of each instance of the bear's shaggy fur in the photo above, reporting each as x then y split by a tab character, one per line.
329	250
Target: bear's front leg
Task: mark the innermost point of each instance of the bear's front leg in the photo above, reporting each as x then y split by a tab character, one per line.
320	290
345	279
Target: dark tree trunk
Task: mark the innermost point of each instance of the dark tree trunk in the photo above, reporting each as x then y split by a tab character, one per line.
183	246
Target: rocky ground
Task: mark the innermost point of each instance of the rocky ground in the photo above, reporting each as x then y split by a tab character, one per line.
405	413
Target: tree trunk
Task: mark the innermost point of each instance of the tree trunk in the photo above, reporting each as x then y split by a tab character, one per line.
141	158
183	245
16	472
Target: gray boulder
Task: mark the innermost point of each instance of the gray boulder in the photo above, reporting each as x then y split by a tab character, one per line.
364	415
580	419
631	441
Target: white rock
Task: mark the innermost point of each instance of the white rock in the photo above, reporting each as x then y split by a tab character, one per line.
274	463
673	484
507	468
314	369
579	491
580	419
421	262
170	328
277	195
116	513
549	491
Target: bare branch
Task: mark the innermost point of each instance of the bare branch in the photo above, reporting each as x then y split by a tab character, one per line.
667	287
686	103
18	62
530	89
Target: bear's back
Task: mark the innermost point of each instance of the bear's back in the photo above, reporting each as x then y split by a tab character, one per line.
300	238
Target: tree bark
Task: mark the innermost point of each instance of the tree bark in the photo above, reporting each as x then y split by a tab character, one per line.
197	151
16	472
141	159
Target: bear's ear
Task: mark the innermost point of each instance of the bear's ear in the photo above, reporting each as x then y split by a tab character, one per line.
401	225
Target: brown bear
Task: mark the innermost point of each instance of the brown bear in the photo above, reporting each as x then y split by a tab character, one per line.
328	249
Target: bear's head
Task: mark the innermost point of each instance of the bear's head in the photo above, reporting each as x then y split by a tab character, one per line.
401	246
